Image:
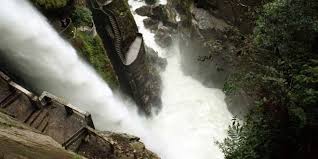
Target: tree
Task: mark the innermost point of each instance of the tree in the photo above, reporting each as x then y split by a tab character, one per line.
284	68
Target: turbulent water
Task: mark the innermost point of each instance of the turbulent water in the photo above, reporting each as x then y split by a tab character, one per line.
192	118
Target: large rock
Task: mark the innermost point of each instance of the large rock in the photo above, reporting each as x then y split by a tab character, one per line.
157	62
211	41
144	11
136	79
235	13
158	12
151	24
163	37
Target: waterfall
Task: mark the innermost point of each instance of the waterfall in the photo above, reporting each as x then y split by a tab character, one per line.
192	118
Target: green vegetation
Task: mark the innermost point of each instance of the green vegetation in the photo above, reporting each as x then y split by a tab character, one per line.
91	48
50	4
82	16
280	70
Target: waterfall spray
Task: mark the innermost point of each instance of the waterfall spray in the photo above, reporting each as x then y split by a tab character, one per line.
49	63
192	115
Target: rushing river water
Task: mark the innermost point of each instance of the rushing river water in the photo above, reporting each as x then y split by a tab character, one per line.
193	117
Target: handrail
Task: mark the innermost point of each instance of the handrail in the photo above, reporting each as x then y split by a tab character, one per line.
64	103
118	41
115	27
81	131
117	33
18	87
74	137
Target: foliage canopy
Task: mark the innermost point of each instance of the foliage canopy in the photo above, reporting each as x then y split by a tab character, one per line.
282	72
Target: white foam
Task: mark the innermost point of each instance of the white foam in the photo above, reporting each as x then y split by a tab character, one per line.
192	118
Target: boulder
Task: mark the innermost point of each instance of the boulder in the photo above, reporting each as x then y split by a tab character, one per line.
156	61
144	11
163	37
158	12
151	24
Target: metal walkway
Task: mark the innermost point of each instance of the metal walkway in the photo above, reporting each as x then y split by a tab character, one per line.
131	55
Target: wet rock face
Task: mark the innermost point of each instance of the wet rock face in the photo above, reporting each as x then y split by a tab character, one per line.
139	79
234	13
144	11
157	62
145	82
211	37
163	37
207	37
161	21
206	47
151	24
159	13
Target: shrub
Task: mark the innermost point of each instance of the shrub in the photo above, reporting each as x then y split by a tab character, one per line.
81	16
92	50
283	71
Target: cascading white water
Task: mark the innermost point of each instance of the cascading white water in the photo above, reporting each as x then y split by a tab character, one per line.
192	118
47	62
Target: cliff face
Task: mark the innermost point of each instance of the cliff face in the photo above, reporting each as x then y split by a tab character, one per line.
137	77
212	35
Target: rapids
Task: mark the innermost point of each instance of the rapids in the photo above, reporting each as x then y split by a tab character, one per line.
193	117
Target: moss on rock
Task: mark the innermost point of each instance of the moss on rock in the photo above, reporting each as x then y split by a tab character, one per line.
50	4
91	49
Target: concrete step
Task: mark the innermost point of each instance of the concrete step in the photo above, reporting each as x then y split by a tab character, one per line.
33	116
37	122
10	99
43	125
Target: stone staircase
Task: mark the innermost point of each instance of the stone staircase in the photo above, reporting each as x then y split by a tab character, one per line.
118	39
117	34
4	103
47	114
38	119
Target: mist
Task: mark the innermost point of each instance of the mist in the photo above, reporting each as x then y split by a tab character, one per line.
193	117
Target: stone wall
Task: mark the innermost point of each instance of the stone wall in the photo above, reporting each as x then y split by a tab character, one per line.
22	142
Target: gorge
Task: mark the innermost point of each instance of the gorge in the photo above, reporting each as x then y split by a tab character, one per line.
46	62
150	79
